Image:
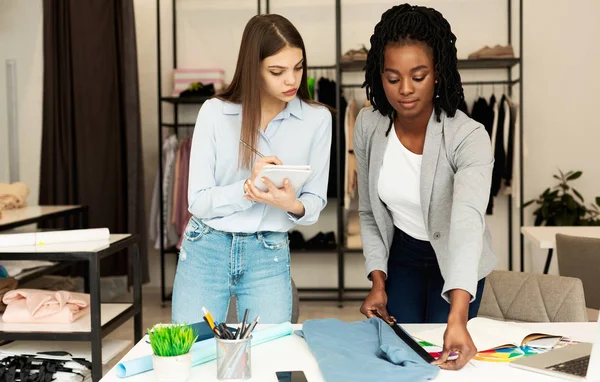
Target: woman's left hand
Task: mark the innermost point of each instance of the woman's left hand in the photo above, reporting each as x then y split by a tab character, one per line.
283	198
456	340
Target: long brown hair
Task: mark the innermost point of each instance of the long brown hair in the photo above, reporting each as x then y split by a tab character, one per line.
264	36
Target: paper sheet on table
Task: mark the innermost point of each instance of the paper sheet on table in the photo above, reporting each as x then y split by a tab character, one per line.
488	334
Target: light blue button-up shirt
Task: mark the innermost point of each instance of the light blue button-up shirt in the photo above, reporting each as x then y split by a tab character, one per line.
299	135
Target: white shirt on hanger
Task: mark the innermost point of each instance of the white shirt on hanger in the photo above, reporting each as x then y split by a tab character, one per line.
399	187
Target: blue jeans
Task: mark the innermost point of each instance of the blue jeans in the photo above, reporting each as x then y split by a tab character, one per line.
414	283
215	265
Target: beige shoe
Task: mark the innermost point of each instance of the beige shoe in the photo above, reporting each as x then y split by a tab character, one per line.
498	51
476	54
355	55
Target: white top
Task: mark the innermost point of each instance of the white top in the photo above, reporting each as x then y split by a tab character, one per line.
292	353
399	187
545	237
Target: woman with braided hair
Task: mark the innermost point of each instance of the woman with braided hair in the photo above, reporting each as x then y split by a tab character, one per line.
424	174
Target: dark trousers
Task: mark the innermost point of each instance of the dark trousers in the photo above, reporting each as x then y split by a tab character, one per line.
414	283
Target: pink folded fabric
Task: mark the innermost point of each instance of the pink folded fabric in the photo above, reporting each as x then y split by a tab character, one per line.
43	306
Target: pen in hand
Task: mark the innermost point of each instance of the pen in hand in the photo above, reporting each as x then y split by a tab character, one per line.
253	149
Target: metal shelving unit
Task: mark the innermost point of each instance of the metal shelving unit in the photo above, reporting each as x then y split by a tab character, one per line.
340	68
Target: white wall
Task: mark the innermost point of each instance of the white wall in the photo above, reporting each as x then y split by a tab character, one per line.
562	94
560	88
21	40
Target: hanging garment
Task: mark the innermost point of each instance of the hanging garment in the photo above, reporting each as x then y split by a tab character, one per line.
170	236
462	106
483	113
510	149
351	178
494	130
487	115
499	147
514	187
175	184
181	214
326	92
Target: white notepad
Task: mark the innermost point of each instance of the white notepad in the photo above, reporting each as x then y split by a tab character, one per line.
297	176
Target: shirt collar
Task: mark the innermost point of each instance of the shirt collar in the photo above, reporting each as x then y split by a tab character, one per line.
294	107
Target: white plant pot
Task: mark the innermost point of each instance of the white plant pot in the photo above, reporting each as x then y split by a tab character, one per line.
172	369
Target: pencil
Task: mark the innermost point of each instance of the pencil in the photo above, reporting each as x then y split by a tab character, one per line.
252	148
209	319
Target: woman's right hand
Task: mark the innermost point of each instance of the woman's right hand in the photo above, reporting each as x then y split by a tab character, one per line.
260	163
375	305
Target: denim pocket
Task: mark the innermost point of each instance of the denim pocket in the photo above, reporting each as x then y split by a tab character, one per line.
195	229
273	240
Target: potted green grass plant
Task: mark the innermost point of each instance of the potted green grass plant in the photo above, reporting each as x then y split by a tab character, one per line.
171	344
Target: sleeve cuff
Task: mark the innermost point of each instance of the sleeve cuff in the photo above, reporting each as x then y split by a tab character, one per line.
448	287
370	268
297	219
238	194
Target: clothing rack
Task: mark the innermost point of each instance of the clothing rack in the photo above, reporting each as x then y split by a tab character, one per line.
479	64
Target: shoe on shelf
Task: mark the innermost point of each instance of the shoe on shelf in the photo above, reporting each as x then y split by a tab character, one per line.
355	55
497	51
321	241
297	241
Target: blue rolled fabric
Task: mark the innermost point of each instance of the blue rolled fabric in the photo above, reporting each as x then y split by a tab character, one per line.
203	351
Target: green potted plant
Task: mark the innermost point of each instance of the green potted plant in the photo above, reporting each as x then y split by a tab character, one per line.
171	344
562	205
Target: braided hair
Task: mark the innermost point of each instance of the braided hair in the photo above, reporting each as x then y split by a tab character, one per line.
406	23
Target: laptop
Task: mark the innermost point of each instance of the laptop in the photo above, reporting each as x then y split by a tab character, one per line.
580	362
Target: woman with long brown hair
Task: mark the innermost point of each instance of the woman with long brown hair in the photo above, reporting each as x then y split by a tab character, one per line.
236	242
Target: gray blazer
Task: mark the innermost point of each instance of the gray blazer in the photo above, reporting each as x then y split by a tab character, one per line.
456	174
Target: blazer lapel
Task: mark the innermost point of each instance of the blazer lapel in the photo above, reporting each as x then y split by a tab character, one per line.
378	146
431	151
377	152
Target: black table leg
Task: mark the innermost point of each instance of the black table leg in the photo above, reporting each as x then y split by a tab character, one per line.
137	293
548	261
96	333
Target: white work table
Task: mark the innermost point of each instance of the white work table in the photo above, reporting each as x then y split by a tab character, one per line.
545	237
292	353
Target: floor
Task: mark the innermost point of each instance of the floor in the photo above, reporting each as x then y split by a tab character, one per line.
154	313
